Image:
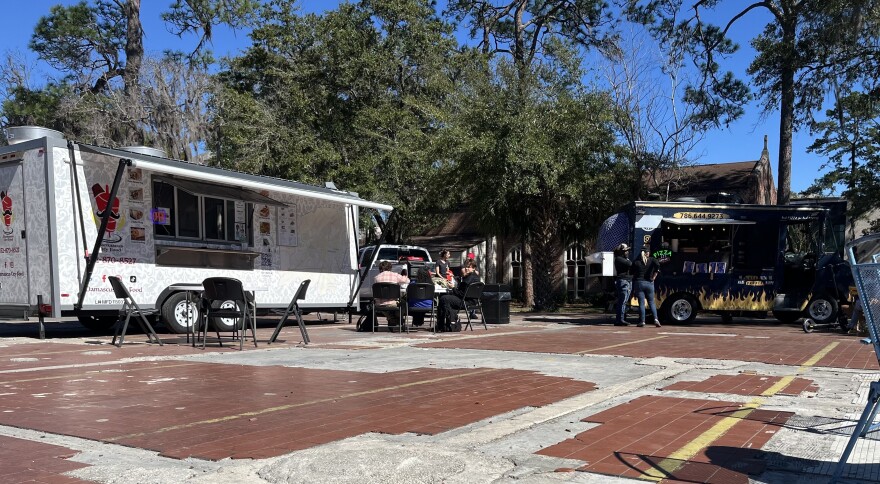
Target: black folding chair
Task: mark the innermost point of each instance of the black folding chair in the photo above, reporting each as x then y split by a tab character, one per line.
293	308
419	292
130	308
386	291
223	298
471	302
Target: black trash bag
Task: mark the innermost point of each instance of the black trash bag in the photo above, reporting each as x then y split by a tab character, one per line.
363	324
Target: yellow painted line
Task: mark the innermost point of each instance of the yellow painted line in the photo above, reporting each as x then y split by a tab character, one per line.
620	344
280	408
666	467
93	373
818	356
776	387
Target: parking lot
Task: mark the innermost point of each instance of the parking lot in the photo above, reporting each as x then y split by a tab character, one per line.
550	397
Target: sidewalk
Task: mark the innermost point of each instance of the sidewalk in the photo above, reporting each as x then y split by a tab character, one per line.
548	398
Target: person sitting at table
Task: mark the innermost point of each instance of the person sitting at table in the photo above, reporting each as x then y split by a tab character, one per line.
387	275
451	303
443	276
418	318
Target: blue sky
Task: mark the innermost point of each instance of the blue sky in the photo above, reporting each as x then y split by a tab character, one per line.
741	141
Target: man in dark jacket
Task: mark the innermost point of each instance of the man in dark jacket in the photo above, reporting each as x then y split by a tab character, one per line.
450	303
622	283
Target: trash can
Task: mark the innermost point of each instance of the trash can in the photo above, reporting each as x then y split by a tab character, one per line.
496	303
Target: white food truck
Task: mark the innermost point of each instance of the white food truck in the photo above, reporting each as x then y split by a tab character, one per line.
74	214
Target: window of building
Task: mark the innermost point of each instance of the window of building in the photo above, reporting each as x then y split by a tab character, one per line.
516	272
575	272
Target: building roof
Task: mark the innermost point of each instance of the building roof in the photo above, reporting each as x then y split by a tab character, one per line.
701	180
457	232
455	223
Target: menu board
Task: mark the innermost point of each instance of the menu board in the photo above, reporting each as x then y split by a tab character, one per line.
287	227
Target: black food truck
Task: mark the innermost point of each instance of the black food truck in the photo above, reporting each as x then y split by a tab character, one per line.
736	259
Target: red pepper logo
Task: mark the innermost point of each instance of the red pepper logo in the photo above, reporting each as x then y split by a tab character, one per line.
7	209
102	199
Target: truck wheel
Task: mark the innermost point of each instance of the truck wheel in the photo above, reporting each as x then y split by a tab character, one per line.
787	317
679	308
100	324
822	309
179	314
225	324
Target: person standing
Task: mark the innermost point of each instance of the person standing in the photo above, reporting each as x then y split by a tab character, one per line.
622	283
644	270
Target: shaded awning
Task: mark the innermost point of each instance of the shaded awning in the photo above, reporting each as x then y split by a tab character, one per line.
707	221
202	173
219	191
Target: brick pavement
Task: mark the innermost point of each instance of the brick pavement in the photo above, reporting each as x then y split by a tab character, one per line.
25	461
189	408
781	346
640	438
744	384
215	411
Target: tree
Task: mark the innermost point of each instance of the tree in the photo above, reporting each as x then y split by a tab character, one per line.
551	158
804	47
648	84
850	138
541	40
98	47
354	95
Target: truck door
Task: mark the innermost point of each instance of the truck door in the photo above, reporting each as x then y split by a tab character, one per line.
14	286
799	255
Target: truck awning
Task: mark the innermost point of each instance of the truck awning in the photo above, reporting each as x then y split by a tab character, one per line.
219	191
710	221
222	176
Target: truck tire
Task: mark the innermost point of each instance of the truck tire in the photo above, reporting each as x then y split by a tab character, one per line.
101	324
225	324
680	308
822	309
179	314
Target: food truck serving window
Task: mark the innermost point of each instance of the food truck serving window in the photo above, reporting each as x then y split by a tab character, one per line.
181	212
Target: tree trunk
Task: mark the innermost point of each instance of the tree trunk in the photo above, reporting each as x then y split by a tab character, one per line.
134	46
786	115
491	260
546	246
528	283
134	54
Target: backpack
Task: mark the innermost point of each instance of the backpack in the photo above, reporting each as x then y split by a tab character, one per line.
363	324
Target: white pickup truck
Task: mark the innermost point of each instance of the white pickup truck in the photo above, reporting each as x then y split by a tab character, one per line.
401	256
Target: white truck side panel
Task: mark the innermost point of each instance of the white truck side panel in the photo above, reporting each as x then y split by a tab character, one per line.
305	239
25	270
37	225
13	249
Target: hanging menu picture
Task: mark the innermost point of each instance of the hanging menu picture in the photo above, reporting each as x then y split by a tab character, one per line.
287	228
265	232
